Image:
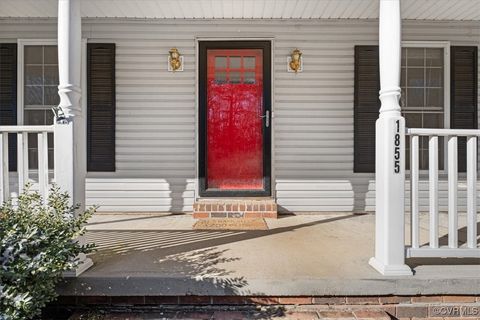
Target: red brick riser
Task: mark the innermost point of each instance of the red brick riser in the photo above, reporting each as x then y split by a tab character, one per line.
402	307
229	208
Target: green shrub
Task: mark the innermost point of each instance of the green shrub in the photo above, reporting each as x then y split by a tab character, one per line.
37	244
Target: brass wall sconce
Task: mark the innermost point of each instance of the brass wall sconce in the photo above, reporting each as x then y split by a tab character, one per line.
295	61
175	60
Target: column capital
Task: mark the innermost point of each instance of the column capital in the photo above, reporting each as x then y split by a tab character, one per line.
69	56
70	97
389	41
389	98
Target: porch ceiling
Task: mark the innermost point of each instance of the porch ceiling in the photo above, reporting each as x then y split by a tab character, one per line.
247	9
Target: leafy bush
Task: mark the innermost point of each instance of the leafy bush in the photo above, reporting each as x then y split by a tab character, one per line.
37	244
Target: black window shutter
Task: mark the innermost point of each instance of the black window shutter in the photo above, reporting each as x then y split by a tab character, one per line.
8	96
366	107
463	96
101	107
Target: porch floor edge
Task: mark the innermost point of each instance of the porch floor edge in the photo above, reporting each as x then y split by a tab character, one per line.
168	286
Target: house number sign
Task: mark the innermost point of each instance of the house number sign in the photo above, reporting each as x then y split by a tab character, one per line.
396	152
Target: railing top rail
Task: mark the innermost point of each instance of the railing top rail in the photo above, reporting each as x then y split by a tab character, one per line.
442	132
30	129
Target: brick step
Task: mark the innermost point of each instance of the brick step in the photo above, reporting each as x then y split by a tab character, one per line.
235	208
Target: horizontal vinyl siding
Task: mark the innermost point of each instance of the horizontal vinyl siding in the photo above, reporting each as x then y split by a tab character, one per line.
314	126
141	194
155	121
313	110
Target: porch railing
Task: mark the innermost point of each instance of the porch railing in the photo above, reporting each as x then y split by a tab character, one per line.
434	248
22	174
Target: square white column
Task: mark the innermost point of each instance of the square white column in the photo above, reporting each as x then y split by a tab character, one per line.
390	150
70	133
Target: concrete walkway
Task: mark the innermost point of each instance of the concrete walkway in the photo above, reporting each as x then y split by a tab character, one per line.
324	254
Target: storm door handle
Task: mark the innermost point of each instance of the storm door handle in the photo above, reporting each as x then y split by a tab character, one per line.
267	118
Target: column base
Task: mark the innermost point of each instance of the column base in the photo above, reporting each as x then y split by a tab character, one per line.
390	270
82	267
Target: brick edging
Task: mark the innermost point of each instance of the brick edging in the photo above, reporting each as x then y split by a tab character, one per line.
272	300
399	306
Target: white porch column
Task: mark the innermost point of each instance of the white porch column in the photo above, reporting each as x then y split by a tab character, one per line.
390	150
70	139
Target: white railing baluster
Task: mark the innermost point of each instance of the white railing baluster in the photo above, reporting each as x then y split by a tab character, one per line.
454	248
22	160
21	133
414	207
43	165
452	192
433	189
22	180
25	156
4	172
472	192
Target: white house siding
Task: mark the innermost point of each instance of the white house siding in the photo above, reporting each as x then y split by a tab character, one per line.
313	124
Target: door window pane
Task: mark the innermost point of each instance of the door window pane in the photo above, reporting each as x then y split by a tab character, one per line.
249	62
235	62
220	77
220	62
249	77
235	77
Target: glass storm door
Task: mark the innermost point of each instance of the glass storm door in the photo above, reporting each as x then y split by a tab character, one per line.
236	123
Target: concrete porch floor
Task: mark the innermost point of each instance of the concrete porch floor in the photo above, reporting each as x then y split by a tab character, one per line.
301	255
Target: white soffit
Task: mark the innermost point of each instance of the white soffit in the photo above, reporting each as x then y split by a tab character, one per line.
247	9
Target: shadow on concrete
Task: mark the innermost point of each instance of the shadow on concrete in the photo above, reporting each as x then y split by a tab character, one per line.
202	265
462	237
415	262
127	241
443	241
180	261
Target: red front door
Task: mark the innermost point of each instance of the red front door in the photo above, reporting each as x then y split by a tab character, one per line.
235	122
